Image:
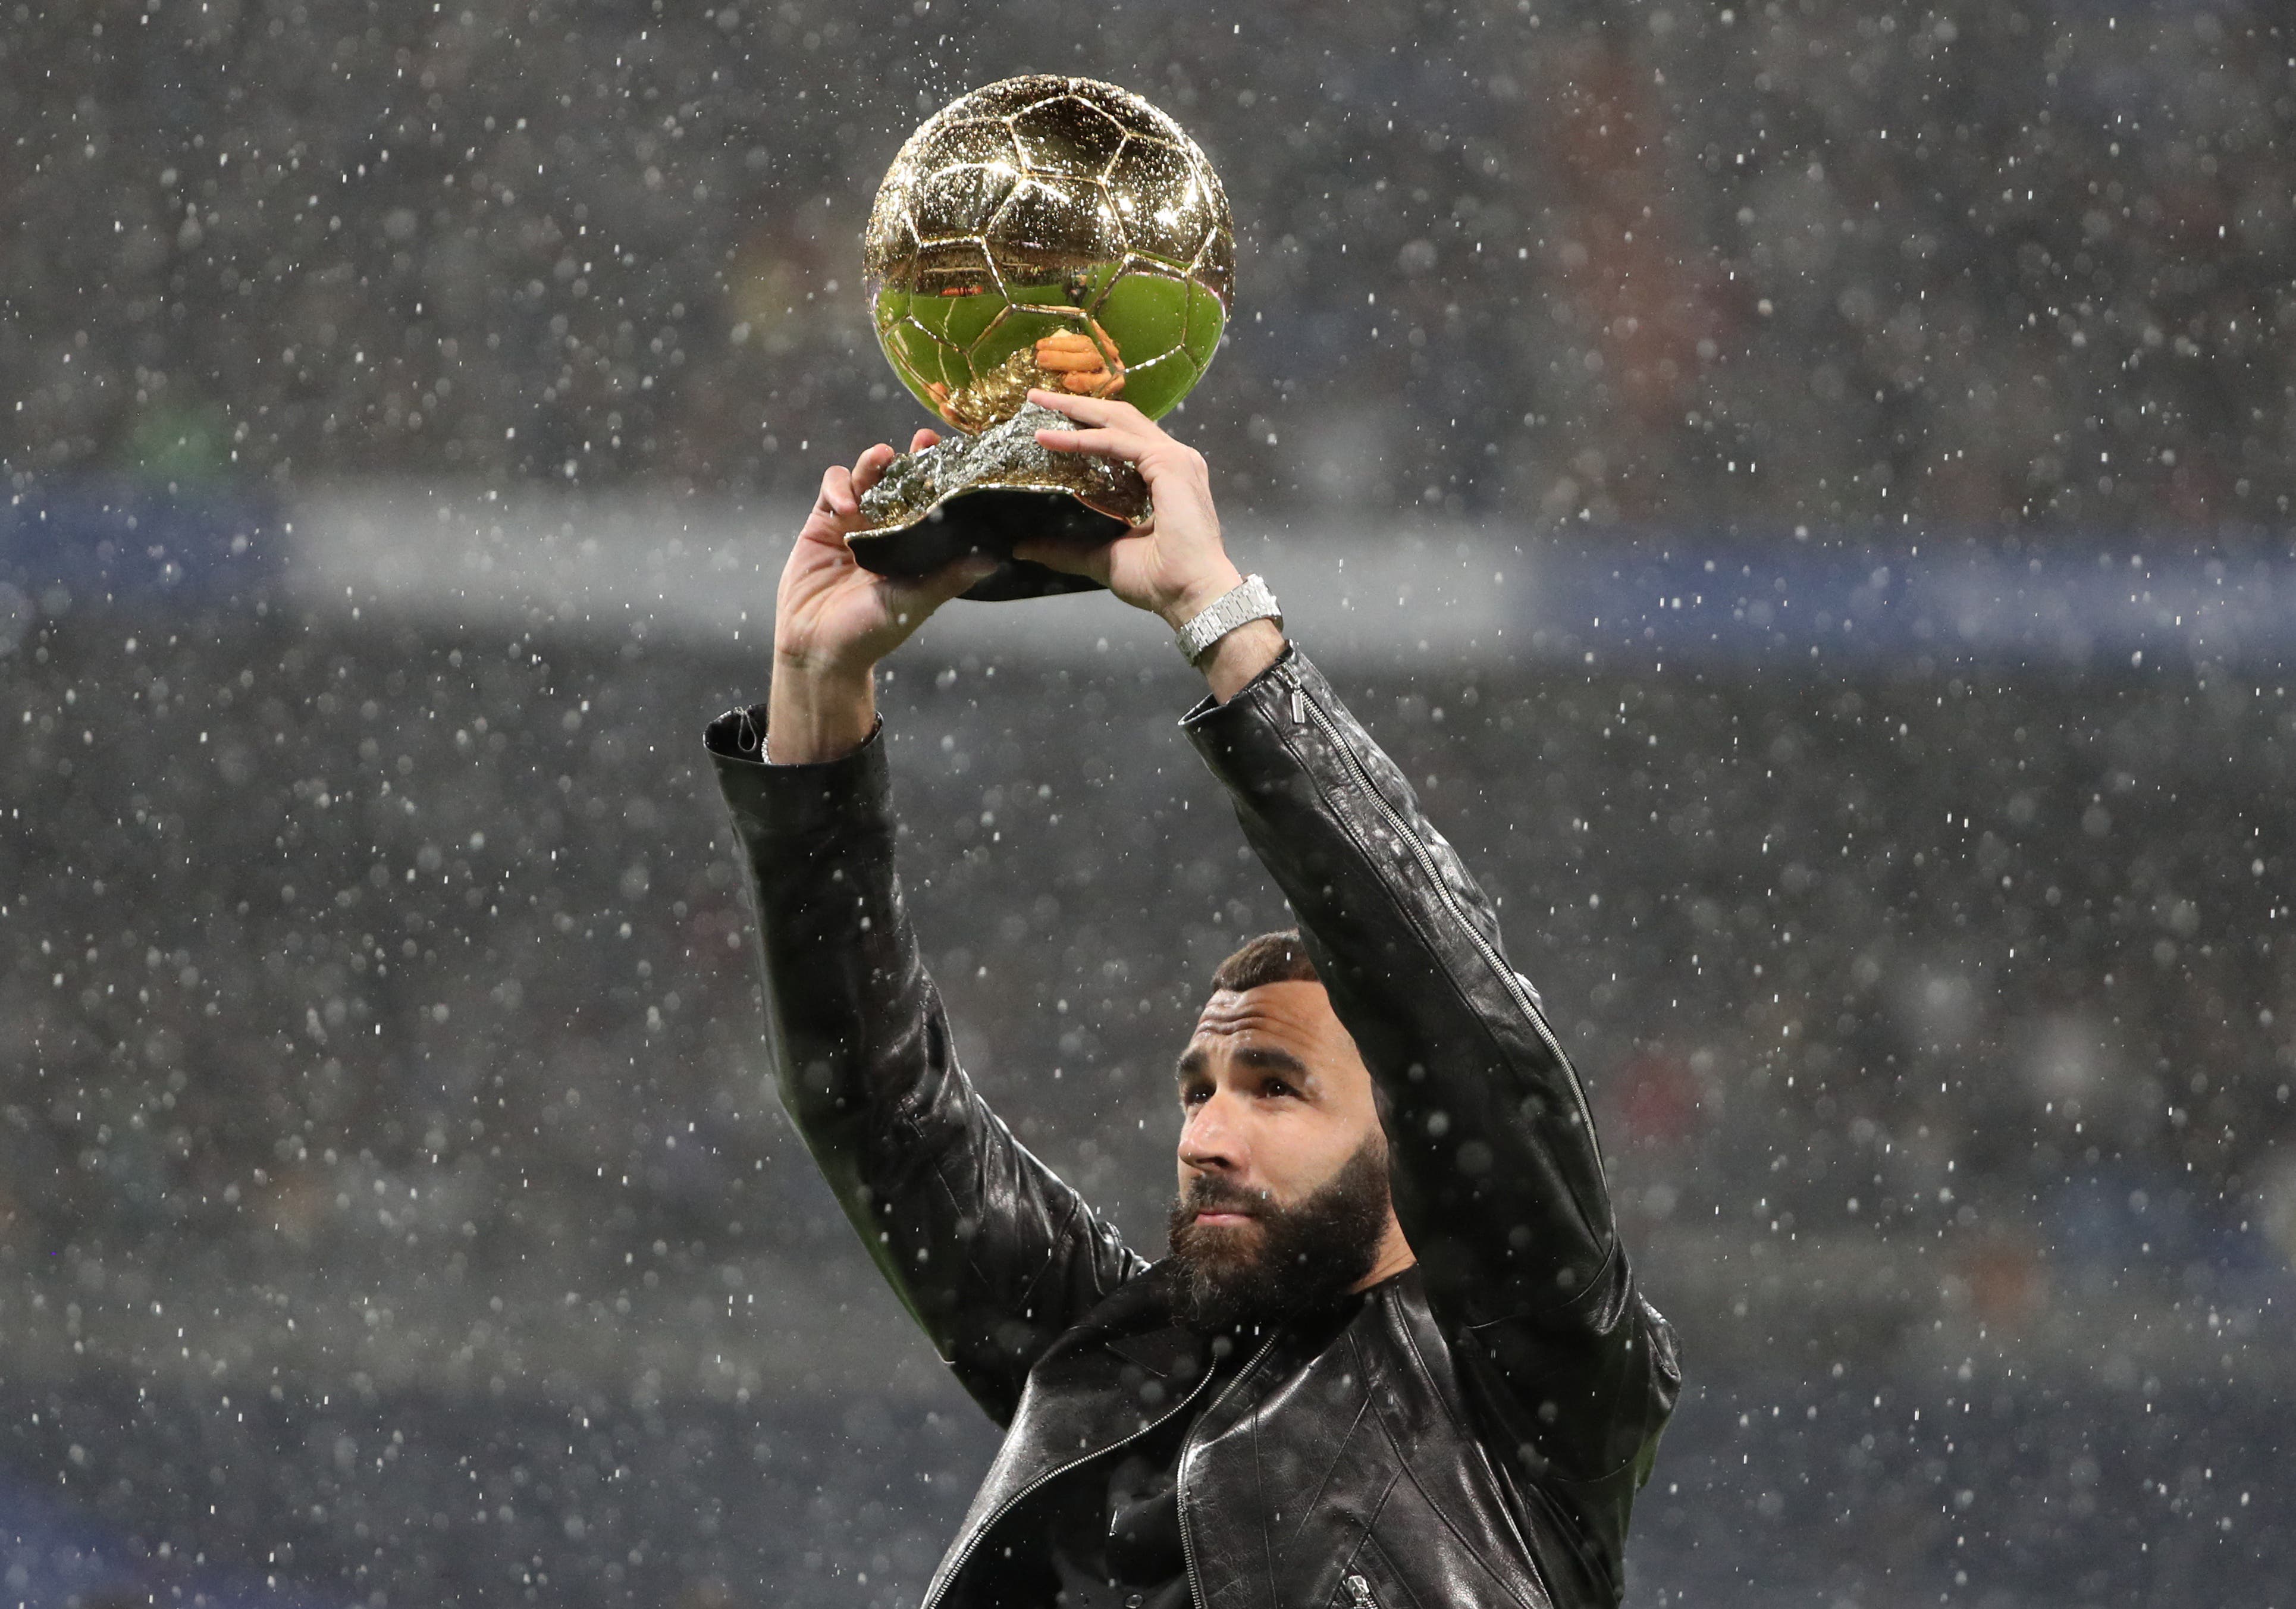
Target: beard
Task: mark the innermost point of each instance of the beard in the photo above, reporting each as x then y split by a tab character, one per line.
1286	1258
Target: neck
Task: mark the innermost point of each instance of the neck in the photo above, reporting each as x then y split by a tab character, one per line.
1395	1255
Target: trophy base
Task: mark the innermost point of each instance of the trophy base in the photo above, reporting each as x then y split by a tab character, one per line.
990	520
984	493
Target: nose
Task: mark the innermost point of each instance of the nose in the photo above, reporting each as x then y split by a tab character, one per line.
1209	1141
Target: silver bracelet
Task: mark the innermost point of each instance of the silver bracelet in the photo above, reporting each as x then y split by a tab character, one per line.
1250	600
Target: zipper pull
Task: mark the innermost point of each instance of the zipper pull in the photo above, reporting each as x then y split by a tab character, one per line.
1360	1592
1298	705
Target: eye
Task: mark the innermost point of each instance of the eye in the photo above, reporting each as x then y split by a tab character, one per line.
1277	1087
1192	1094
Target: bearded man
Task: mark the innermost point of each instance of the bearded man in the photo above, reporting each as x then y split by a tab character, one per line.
1395	1356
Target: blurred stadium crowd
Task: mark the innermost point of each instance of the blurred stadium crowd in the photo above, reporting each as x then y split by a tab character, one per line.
2012	267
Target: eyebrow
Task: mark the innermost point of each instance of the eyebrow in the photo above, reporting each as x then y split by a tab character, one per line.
1266	1058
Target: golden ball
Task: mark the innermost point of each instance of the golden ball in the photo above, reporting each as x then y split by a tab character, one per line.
1055	232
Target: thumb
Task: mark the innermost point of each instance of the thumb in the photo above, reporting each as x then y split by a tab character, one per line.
1070	558
912	600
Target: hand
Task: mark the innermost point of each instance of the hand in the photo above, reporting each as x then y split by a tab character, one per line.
1173	565
833	620
835	617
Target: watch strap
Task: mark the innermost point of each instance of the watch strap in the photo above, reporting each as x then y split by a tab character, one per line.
1250	600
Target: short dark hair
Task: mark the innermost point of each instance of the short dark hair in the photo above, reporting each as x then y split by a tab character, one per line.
1270	958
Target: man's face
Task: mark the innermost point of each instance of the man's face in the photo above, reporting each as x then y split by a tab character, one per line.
1283	1166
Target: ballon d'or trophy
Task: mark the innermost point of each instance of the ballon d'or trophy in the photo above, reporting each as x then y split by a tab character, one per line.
1048	232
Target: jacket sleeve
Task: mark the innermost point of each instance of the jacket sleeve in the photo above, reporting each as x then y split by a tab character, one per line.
1499	1183
992	1254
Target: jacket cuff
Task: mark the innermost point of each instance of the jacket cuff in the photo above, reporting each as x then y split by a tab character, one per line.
778	800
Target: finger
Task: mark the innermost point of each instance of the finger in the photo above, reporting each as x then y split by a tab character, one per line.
838	498
1144	529
1067	557
1107	443
870	467
958	574
922	439
1089	410
910	601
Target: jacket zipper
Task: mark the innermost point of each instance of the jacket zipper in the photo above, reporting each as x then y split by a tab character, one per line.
1360	1592
1180	1484
1434	874
1009	1503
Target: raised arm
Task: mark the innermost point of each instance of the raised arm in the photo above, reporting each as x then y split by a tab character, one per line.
1505	1198
1500	1185
991	1253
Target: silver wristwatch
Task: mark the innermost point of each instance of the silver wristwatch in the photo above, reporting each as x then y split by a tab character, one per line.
1249	601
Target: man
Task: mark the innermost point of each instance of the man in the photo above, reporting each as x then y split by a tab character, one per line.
1326	1394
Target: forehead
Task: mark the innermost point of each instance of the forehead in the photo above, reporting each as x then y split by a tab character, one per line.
1287	1011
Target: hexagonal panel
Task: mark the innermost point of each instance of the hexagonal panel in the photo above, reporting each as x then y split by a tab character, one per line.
958	320
1146	314
959	200
1067	137
1157	385
1206	319
1049	228
977	140
1162	201
917	354
1142	120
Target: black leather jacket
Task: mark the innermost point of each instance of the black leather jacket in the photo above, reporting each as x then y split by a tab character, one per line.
1472	1432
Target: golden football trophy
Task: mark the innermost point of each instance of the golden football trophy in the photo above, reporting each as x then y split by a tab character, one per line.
1048	232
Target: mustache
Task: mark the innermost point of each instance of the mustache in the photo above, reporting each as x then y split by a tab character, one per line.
1208	1193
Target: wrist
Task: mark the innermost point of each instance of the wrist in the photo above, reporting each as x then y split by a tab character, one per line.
1237	659
1199	594
819	665
816	712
